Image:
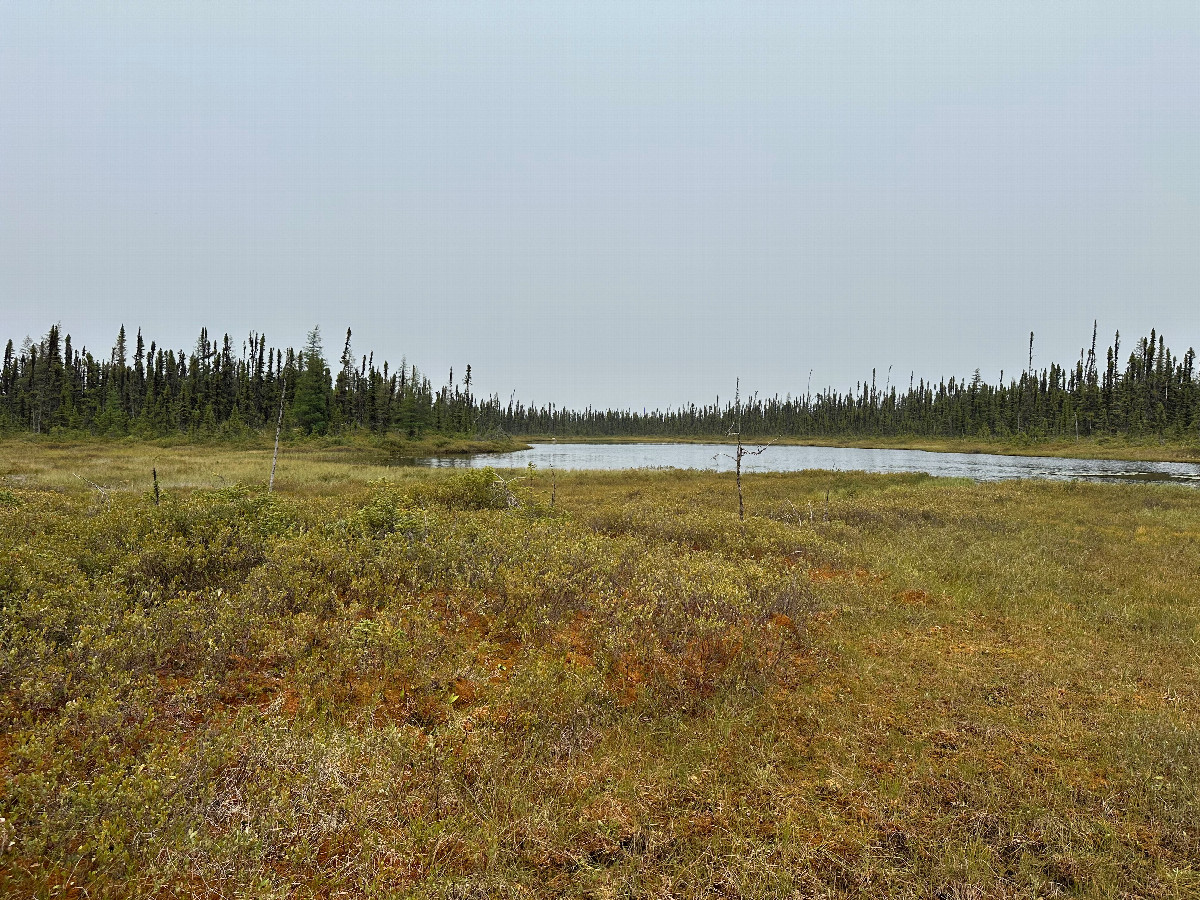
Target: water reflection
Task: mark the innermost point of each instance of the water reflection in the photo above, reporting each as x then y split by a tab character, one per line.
785	458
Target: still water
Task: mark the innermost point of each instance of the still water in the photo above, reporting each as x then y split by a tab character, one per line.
780	458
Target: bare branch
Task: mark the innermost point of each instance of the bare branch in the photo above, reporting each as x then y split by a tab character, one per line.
103	491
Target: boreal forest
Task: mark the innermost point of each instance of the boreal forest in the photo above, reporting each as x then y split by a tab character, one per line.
231	388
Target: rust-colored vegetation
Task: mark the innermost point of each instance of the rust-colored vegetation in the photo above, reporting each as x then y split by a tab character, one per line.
443	686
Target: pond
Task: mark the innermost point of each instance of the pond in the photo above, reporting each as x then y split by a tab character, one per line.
789	458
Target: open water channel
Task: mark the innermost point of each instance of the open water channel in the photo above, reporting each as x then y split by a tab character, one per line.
789	458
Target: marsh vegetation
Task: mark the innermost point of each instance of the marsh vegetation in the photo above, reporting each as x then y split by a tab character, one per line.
401	682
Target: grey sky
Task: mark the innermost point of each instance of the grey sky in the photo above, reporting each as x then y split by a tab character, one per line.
616	204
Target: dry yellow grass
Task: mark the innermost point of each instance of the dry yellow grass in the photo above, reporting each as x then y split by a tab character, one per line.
313	466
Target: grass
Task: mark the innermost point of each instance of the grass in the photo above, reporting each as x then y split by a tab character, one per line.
383	682
1154	448
311	465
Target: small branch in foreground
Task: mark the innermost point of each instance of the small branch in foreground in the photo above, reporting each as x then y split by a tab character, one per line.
103	491
506	491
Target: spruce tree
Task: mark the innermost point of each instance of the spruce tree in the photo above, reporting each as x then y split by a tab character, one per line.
311	406
344	388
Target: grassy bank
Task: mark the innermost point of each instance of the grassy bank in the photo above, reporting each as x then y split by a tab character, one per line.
443	686
1154	449
312	465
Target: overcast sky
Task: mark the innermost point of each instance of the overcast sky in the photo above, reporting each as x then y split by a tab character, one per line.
615	204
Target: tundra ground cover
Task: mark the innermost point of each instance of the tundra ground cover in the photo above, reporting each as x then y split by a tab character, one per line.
444	686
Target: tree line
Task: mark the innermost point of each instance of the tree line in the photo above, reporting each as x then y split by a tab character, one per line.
217	388
1153	392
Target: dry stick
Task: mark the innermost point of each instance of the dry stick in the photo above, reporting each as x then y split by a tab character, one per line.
741	451
742	509
509	497
154	472
799	516
103	491
737	459
278	428
737	402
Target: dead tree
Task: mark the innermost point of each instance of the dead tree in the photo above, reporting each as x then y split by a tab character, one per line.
278	428
735	431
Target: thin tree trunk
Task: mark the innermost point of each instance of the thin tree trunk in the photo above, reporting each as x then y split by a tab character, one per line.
741	505
737	401
278	429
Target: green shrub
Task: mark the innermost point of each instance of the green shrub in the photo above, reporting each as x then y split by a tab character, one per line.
387	512
472	489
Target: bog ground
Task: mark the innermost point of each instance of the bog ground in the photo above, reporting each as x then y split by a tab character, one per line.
399	683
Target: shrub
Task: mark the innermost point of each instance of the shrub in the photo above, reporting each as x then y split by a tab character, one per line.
473	489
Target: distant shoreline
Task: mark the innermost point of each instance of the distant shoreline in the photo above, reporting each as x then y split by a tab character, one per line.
1149	450
372	449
